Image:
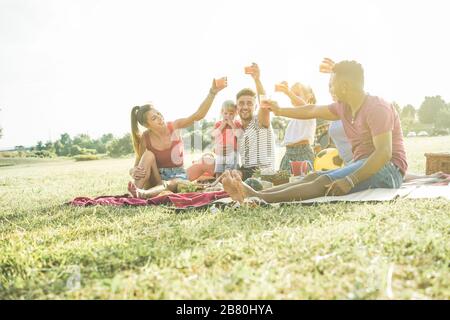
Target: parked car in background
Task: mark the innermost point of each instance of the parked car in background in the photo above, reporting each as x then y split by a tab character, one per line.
411	134
423	134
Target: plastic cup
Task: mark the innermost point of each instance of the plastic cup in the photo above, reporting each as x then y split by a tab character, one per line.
279	88
300	168
263	101
220	83
324	68
249	70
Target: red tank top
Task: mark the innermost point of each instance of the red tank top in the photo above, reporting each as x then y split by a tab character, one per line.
171	157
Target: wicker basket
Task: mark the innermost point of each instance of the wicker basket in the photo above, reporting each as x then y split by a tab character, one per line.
281	177
275	180
437	162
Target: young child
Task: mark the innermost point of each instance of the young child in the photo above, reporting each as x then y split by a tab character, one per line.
225	135
299	135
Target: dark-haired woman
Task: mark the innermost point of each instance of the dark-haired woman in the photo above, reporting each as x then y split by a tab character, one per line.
159	149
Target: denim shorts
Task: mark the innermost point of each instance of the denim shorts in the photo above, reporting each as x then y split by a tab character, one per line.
173	173
388	177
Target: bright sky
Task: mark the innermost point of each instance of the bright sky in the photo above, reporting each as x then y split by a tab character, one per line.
79	66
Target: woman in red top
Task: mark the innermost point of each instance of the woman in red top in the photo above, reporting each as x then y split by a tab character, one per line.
159	150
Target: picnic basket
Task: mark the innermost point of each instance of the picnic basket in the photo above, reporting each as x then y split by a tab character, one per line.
280	177
437	162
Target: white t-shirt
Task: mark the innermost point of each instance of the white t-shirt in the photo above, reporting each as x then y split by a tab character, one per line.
257	146
337	134
298	130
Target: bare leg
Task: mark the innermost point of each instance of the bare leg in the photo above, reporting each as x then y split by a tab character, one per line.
145	194
148	162
239	190
310	177
154	191
197	169
155	177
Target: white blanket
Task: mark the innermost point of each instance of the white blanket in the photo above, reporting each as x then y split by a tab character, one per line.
417	189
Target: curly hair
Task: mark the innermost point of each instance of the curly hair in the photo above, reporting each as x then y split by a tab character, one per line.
351	71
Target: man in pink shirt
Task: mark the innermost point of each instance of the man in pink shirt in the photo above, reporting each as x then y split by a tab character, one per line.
373	128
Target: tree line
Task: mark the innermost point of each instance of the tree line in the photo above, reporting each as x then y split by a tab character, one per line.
432	116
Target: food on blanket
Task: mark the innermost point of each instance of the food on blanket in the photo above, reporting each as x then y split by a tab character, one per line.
328	159
216	187
187	186
205	178
255	184
272	176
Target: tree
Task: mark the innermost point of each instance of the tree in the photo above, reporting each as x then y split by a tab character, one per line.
59	148
443	118
101	144
39	146
106	138
49	146
430	108
84	141
408	112
63	145
120	147
65	139
75	150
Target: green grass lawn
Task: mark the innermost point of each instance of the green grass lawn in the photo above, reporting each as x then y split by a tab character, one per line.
49	250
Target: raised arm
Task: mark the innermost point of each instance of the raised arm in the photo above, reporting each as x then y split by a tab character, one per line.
263	114
203	109
295	100
327	65
217	131
306	112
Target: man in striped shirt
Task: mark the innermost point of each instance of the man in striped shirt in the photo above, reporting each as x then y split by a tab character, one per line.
256	145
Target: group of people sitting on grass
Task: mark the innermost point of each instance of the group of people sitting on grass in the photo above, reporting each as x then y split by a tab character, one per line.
365	129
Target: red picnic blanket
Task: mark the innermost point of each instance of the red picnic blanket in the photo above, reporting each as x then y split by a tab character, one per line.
179	200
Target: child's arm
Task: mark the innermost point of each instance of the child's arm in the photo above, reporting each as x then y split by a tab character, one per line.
237	128
219	128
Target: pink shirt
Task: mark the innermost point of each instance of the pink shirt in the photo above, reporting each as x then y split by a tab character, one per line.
375	117
226	138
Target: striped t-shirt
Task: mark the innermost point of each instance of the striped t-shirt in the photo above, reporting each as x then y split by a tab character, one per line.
257	146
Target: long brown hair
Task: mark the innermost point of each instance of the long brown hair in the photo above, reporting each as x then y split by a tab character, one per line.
138	115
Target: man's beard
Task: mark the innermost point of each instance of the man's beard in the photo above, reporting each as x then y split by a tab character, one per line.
248	115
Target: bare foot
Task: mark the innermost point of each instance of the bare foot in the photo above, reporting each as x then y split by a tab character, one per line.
231	186
132	189
244	189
